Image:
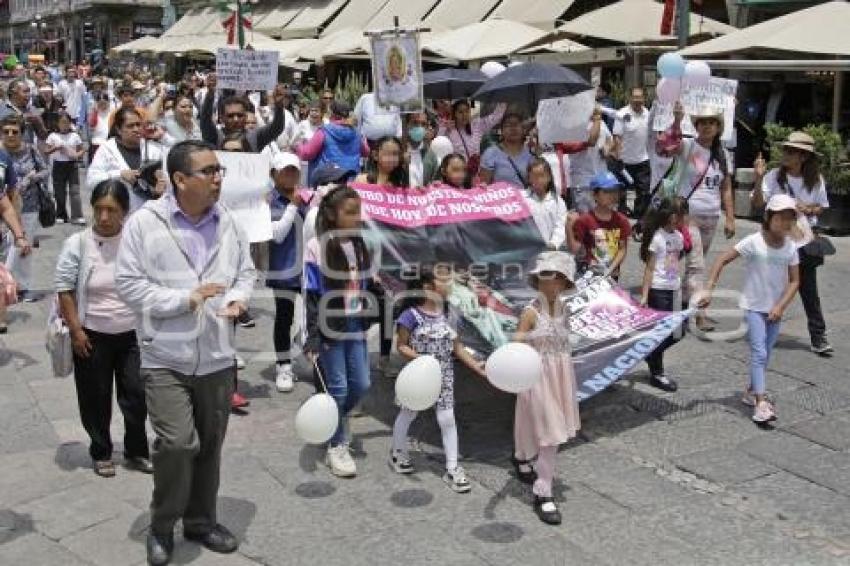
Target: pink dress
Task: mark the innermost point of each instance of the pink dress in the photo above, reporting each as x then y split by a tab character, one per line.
547	414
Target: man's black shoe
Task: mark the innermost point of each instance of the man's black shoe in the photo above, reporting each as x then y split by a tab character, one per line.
159	549
218	539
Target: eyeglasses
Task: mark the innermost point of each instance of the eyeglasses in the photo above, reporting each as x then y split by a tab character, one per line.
210	171
327	98
11	132
235	115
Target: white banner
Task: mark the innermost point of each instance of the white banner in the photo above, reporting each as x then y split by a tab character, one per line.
245	190
719	93
246	69
397	71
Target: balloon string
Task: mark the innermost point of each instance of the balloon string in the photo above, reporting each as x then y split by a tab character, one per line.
319	373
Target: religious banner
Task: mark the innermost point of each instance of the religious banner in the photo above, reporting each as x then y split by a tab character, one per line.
397	70
488	236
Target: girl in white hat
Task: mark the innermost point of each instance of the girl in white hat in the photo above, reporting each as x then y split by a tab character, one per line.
798	176
547	414
769	286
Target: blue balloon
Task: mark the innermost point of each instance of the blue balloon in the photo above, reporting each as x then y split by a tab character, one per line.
671	66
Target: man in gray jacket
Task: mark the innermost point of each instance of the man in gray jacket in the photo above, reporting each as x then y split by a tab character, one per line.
185	269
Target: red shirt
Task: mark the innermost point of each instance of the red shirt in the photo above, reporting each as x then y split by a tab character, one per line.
601	239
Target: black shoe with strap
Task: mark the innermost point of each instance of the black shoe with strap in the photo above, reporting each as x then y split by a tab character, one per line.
525	476
218	539
546	510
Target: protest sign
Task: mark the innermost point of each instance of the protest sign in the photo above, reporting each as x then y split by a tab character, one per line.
565	119
489	236
245	189
718	93
397	71
246	69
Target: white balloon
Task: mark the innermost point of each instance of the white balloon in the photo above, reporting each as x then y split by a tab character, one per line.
515	367
492	68
317	419
441	146
418	385
697	73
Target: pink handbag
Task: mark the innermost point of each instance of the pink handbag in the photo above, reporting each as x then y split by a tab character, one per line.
8	287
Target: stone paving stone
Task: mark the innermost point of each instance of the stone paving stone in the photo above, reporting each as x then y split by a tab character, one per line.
106	544
832	432
724	466
820	400
33	475
37	550
60	514
23	428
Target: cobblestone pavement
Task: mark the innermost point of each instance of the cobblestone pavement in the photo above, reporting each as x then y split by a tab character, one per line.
653	478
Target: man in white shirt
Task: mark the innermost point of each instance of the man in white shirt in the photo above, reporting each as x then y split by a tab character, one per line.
72	90
375	122
631	132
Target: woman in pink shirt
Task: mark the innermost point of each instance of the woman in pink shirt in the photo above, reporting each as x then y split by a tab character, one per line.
103	335
466	132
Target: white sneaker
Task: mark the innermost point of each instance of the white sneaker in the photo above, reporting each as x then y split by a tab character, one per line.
764	413
340	462
456	479
240	363
400	462
748	398
284	378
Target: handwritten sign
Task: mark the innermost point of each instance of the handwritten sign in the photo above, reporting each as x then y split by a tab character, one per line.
244	190
719	93
246	69
566	118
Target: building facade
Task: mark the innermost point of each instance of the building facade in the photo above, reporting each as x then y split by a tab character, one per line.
69	30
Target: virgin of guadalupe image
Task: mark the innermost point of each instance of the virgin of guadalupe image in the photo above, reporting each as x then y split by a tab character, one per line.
398	78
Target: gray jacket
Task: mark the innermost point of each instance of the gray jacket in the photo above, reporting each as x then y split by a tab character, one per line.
73	269
155	277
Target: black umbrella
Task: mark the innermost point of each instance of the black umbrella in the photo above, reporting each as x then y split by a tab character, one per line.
452	83
530	83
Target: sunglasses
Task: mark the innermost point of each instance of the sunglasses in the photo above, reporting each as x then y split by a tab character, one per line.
11	132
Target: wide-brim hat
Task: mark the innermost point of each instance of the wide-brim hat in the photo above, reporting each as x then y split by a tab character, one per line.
561	263
801	141
707	113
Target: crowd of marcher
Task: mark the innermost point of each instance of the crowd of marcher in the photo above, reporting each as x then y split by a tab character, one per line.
154	286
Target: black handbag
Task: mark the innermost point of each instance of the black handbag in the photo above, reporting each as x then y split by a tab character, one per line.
46	207
819	247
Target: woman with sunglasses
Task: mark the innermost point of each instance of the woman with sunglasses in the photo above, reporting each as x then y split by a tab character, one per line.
132	158
798	176
30	172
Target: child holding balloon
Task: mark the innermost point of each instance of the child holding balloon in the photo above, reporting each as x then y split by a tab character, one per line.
424	330
547	414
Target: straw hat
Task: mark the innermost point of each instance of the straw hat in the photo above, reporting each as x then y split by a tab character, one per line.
561	263
708	112
801	141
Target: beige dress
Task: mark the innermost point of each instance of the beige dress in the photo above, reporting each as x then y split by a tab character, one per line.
547	414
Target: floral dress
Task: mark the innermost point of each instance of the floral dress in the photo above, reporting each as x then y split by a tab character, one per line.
547	414
432	335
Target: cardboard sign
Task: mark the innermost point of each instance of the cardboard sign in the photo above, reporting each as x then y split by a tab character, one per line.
246	69
245	189
719	93
565	119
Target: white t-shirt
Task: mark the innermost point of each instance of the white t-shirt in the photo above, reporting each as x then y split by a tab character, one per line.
667	247
705	200
557	173
585	164
66	143
770	186
72	92
767	271
550	215
374	121
633	127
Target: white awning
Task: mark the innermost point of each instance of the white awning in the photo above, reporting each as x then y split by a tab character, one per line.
144	43
451	14
309	21
409	12
356	14
819	30
635	22
277	17
482	40
539	13
559	46
347	41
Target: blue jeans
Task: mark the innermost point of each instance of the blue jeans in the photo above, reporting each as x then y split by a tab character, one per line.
762	335
345	367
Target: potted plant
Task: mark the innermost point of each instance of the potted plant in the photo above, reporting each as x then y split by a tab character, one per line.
834	167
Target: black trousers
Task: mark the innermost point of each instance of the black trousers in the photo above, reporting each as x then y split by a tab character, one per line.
284	303
113	356
66	182
809	295
641	174
661	300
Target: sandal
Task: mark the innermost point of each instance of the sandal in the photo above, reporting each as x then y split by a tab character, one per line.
104	468
524	476
546	510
